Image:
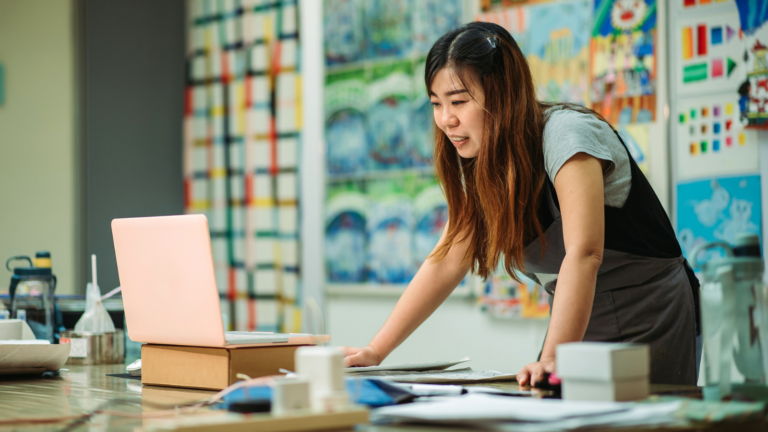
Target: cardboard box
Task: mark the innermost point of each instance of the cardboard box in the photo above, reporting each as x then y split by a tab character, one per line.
211	368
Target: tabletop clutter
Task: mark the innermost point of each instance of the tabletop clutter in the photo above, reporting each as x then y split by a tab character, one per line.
94	340
295	383
611	393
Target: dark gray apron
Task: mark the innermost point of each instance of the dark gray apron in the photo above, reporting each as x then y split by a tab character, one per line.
638	298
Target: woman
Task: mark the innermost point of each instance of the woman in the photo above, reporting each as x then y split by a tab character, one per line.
545	189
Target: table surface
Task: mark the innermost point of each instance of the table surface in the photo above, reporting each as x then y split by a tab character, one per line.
85	389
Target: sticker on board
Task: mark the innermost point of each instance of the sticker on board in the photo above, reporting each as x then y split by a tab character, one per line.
711	138
709	52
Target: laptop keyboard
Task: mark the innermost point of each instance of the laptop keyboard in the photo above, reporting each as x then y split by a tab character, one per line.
254	337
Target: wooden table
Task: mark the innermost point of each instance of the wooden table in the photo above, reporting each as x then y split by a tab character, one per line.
85	389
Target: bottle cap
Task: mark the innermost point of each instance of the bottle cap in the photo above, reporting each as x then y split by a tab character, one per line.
42	259
747	245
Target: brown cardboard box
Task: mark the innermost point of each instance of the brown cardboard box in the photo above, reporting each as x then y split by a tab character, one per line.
210	368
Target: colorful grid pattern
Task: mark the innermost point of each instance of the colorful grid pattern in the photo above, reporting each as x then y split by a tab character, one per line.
712	139
241	150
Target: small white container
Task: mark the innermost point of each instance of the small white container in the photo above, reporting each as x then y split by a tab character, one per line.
323	367
290	394
598	371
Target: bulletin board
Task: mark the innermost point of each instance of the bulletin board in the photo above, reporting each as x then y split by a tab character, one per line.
717	63
384	211
242	126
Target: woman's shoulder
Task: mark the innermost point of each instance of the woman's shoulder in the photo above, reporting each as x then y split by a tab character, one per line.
563	120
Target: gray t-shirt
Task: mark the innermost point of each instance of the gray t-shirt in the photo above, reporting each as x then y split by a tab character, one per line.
569	132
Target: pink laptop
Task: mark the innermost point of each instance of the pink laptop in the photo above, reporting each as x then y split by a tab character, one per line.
169	287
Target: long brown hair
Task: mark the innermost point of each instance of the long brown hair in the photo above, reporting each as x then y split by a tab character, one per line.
493	199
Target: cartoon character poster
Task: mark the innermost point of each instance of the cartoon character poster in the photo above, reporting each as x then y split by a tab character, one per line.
558	50
717	209
623	61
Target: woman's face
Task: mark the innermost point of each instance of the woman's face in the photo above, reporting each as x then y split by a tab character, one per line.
458	111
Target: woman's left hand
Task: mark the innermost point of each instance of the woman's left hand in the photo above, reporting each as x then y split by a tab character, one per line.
534	372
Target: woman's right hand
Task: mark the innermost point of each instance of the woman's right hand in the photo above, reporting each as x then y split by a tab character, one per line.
367	356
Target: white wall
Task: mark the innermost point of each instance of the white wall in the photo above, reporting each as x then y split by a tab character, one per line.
37	134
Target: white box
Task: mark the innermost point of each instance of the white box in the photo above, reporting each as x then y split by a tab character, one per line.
605	391
602	361
599	371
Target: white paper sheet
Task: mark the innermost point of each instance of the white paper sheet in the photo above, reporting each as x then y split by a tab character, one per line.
641	415
24	342
480	407
466	375
438	365
43	357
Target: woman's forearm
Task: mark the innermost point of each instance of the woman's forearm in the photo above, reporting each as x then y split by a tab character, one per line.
572	305
432	284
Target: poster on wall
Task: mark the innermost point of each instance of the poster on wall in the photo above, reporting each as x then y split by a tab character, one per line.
503	297
623	61
696	5
388	29
346	137
711	139
346	217
709	52
514	20
754	91
390	231
636	139
558	50
432	19
430	212
717	209
388	118
384	211
343	31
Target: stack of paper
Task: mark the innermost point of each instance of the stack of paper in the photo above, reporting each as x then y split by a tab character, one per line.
461	376
429	373
528	415
432	366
